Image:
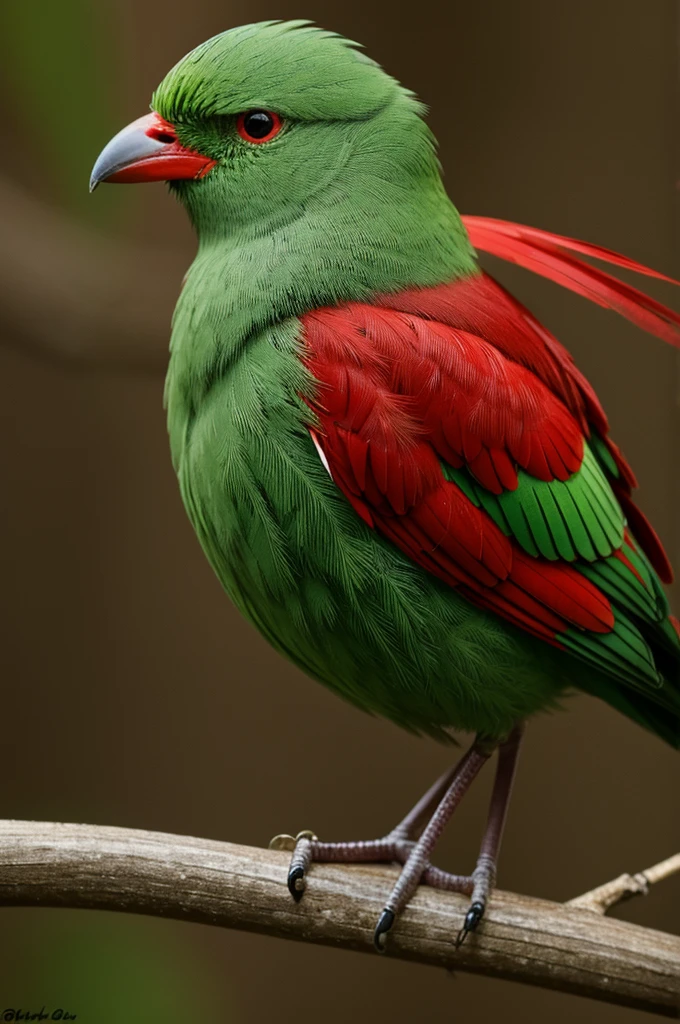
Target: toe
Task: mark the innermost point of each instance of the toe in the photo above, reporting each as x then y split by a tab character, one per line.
472	919
296	882
383	926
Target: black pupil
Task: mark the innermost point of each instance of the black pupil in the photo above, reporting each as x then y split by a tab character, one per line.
258	123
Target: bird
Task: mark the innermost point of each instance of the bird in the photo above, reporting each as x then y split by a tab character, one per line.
399	476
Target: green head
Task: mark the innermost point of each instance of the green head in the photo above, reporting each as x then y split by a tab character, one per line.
336	119
271	124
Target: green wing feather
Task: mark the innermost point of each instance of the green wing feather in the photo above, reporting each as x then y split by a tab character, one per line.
577	518
580	521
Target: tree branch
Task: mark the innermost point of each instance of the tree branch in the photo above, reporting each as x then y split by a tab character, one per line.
523	939
625	886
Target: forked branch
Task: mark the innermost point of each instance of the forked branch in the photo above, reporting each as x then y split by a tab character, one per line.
625	886
523	939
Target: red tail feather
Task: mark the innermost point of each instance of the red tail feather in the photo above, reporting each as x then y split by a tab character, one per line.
550	255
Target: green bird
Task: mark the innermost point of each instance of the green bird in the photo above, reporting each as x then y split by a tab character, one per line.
399	476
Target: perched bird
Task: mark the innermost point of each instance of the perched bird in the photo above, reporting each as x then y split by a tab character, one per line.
399	476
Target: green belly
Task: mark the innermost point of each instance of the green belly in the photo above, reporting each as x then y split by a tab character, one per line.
325	589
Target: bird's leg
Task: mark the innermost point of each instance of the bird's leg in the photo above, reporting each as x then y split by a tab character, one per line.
411	842
418	859
479	885
417	818
484	875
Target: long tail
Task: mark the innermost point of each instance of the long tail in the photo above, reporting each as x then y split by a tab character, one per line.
552	256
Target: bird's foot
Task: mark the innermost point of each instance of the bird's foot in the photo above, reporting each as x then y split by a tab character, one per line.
307	849
478	886
413	840
483	882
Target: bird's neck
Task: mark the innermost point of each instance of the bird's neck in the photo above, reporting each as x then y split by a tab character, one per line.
243	281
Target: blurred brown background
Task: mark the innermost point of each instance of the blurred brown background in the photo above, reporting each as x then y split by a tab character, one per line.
133	694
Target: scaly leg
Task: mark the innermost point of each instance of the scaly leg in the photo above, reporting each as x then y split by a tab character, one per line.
480	884
419	857
427	821
484	875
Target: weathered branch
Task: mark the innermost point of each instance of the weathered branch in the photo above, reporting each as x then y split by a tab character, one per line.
625	886
77	297
521	938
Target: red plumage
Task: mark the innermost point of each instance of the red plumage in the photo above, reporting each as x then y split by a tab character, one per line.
410	378
550	255
465	374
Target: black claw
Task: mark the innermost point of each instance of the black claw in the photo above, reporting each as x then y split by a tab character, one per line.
383	926
472	919
296	883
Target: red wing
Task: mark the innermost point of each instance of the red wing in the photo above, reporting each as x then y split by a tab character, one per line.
557	258
401	381
396	392
480	305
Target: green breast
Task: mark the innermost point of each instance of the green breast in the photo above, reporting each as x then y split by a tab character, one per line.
322	587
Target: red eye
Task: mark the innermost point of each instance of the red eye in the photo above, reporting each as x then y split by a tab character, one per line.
258	125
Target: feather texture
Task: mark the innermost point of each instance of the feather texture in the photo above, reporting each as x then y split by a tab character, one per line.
469	452
552	256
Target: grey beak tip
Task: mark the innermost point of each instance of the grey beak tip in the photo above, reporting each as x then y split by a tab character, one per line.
125	148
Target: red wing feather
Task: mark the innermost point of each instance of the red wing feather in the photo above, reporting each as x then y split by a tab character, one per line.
551	256
543	239
464	373
429	386
398	392
480	306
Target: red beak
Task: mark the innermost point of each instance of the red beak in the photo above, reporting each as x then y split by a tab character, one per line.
148	150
